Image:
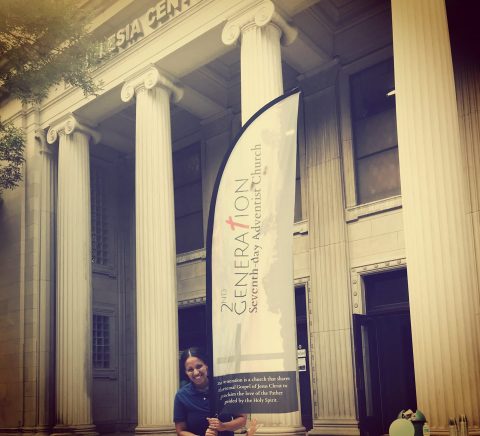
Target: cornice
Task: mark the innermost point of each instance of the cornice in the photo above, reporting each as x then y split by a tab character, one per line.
260	15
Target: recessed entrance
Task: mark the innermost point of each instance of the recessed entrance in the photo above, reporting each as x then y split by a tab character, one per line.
383	353
303	357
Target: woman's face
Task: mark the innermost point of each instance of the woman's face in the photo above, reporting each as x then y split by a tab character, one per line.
197	371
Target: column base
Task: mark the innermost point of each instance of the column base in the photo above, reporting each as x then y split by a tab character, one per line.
69	430
43	430
340	427
10	431
282	431
39	430
164	430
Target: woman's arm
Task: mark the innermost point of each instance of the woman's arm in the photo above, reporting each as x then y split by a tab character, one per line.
234	424
181	429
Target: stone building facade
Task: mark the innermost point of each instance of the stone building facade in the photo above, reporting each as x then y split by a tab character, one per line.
102	258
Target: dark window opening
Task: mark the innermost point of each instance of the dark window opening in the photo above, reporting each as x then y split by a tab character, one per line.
101	341
374	128
99	218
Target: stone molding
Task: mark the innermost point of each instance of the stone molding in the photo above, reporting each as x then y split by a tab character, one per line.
148	78
357	272
68	125
188	302
261	15
375	207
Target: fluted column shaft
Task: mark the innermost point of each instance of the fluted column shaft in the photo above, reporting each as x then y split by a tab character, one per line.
74	280
438	235
156	260
261	67
38	329
48	193
330	330
261	30
157	337
467	78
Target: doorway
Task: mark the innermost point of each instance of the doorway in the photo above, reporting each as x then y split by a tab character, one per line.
192	330
383	352
303	357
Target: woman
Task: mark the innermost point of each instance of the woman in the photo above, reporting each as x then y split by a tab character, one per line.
191	408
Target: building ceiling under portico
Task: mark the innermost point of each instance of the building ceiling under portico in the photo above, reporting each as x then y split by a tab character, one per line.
209	72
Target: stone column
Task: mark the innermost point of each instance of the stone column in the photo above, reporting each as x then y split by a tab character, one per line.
331	332
157	336
74	278
261	30
444	299
46	364
39	292
467	78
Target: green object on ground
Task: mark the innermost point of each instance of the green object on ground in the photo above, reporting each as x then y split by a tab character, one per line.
401	427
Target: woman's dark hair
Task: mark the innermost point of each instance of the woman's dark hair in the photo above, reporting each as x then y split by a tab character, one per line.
192	352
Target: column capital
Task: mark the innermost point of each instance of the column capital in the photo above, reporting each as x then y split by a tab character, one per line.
148	78
260	15
68	125
41	139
